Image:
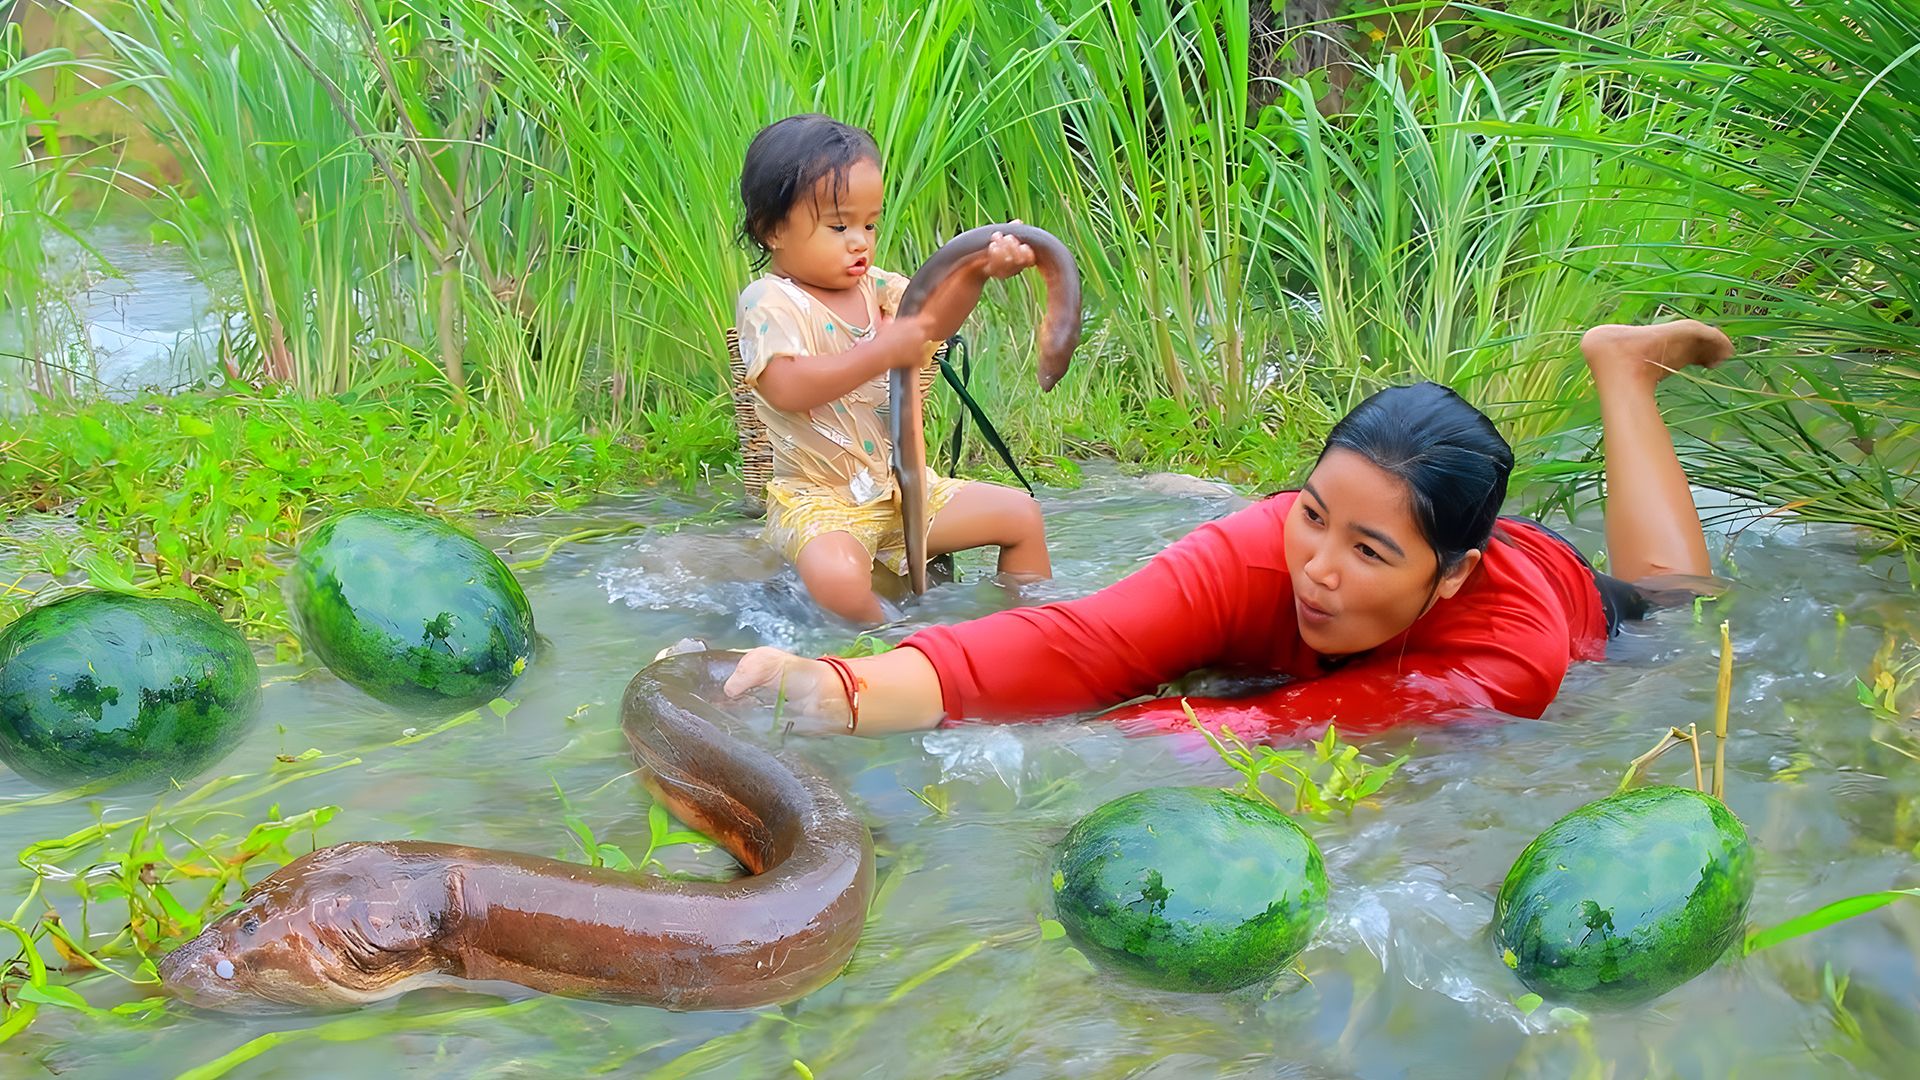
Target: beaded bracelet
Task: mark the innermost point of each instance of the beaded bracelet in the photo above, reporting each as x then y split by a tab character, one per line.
851	684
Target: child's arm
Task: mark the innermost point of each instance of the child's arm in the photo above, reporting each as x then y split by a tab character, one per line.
949	305
796	384
792	386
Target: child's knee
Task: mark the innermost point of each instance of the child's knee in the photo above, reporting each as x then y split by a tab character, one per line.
837	572
1025	517
1012	517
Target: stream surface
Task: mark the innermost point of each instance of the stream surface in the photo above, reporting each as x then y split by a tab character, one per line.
952	977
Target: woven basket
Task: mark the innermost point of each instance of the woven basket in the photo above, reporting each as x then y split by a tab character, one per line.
756	446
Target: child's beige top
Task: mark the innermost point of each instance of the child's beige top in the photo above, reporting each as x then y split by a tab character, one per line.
840	447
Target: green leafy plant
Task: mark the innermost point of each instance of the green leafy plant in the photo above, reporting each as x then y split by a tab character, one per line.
1329	775
1889	679
660	834
1822	917
146	882
144	885
866	645
208	495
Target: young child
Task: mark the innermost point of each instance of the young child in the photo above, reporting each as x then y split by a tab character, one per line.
818	336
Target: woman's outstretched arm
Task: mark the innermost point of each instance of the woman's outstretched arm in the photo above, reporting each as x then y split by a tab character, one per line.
1217	597
899	691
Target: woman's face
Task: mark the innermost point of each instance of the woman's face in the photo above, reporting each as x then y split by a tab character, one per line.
1362	572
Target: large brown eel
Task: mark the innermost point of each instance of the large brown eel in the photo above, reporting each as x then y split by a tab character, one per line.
358	922
963	259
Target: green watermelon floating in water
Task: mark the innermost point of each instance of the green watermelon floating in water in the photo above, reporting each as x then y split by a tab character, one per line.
1190	888
101	686
411	610
1626	898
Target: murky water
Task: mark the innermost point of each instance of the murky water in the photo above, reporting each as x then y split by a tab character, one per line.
952	979
127	316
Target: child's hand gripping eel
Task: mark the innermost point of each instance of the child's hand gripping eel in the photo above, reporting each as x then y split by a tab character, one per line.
961	265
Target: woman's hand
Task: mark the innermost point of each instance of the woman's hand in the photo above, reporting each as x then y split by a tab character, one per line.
899	691
805	693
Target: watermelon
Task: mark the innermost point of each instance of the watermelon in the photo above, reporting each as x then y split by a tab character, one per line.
1190	888
1626	898
411	610
100	686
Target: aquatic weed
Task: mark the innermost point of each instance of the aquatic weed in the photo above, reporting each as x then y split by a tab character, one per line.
1328	776
146	882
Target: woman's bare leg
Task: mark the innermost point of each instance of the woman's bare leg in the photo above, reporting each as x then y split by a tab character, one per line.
1653	529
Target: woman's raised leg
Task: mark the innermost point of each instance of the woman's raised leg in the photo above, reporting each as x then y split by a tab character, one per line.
1653	529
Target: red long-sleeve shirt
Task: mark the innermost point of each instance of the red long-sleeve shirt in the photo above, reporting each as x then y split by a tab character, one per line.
1222	598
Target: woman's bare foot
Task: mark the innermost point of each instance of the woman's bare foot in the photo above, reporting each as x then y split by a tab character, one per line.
1647	354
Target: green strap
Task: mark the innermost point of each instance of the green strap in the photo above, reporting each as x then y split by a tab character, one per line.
958	380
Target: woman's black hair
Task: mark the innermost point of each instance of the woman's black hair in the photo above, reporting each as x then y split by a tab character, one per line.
785	162
1453	460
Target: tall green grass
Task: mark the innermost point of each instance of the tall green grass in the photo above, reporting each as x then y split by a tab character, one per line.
527	206
281	199
1793	145
32	171
535	202
1430	236
20	218
1154	118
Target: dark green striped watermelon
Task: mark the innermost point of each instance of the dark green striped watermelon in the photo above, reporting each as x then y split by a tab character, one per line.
99	686
1190	888
411	610
1626	898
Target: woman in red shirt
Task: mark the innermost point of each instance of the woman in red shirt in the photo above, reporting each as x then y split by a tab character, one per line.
1387	588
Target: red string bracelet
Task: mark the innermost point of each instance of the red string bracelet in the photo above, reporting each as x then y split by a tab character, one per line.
850	683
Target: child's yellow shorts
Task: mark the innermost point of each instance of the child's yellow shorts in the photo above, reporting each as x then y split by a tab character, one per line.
798	513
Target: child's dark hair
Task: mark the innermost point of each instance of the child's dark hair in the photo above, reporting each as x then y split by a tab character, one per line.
784	163
1452	458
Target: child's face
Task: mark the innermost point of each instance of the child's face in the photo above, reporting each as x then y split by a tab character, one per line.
827	242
